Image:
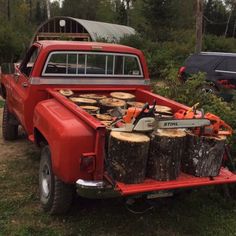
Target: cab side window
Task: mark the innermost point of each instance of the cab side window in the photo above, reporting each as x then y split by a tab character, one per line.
29	61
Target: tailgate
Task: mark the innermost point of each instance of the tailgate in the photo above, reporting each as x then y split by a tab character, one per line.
183	181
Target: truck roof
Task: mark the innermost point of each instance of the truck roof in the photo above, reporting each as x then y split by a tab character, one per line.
52	45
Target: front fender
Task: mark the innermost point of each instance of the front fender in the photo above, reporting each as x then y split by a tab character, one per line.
68	137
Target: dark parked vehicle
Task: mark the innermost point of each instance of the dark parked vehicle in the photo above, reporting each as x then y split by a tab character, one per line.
220	69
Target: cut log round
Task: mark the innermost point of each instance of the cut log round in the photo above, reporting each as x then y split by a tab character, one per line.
104	117
66	92
91	109
203	155
127	154
106	123
166	149
123	96
109	103
83	101
163	109
135	104
93	96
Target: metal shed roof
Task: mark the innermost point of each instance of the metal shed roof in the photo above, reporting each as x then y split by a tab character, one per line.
101	30
97	31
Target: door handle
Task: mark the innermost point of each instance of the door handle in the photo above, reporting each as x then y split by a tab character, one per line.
24	85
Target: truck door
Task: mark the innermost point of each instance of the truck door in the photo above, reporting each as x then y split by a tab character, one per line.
20	84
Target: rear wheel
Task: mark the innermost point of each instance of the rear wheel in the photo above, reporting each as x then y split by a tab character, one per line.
55	195
9	125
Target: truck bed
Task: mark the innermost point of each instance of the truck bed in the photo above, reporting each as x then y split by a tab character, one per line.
149	185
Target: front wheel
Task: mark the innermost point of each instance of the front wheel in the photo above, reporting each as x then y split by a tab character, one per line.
9	125
55	195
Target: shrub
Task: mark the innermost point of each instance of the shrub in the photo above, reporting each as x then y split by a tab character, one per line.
190	93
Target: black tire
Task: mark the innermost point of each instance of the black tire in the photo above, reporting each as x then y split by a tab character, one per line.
55	196
9	125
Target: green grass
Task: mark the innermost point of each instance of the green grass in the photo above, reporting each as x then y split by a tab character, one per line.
202	212
1	103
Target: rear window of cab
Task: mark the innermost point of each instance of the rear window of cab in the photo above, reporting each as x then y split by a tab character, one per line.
93	64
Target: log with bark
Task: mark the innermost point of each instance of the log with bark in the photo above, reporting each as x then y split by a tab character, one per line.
135	104
93	96
127	156
110	103
104	117
166	149
163	110
123	96
91	109
83	101
203	155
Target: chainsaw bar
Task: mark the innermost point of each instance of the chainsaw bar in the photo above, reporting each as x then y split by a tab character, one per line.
148	124
181	123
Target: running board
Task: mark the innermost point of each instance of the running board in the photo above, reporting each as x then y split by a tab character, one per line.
183	181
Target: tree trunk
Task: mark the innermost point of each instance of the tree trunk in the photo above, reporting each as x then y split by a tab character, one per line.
127	156
203	155
166	149
110	103
199	19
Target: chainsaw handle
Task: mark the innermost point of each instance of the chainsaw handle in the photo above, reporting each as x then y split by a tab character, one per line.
146	106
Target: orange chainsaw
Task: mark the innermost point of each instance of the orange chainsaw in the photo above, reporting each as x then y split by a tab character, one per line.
145	120
217	126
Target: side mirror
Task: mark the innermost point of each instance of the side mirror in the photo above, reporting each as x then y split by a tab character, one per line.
8	68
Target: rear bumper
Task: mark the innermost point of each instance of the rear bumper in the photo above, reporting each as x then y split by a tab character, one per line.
95	189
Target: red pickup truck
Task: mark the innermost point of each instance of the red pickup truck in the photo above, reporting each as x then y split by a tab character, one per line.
73	141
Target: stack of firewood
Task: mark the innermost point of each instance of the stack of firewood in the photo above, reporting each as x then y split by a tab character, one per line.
159	155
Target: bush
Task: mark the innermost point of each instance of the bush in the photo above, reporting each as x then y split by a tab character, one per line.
190	93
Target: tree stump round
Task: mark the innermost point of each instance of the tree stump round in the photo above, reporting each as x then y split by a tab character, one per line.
166	149
110	103
104	117
91	109
66	92
83	101
93	96
203	155
135	104
163	110
123	96
127	154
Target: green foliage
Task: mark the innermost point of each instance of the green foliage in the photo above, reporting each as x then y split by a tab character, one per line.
191	93
220	44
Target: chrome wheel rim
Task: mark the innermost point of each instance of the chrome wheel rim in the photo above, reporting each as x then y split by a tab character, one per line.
45	181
